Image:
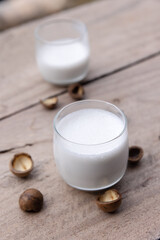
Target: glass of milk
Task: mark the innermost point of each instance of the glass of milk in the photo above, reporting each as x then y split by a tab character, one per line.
62	51
91	144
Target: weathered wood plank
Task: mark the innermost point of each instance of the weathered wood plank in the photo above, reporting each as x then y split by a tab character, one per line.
72	214
120	33
136	88
69	214
13	13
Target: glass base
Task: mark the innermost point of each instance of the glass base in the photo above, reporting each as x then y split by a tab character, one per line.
65	83
96	189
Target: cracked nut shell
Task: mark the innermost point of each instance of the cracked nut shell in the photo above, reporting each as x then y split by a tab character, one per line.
109	201
76	91
21	164
49	103
135	154
31	200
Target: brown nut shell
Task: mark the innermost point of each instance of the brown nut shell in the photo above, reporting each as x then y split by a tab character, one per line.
109	201
76	91
31	200
135	154
49	103
21	164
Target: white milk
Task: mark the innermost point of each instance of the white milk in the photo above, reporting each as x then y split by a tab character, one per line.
63	64
89	161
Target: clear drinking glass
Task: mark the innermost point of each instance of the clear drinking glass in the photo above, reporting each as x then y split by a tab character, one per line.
91	166
62	51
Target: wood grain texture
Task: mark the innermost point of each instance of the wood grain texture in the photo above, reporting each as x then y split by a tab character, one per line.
69	214
13	13
139	84
121	32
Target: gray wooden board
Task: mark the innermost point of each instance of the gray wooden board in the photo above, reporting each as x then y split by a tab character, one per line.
121	32
69	214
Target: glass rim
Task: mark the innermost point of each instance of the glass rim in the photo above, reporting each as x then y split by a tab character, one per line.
91	100
60	20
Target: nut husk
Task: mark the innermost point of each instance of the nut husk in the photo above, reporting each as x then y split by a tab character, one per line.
135	154
49	103
109	201
31	200
76	91
21	164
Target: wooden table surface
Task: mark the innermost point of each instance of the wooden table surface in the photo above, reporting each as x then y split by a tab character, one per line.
124	70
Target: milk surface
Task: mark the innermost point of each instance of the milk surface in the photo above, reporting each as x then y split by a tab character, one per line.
87	156
63	63
90	126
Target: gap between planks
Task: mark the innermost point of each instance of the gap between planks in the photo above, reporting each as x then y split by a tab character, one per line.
127	67
23	146
139	61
